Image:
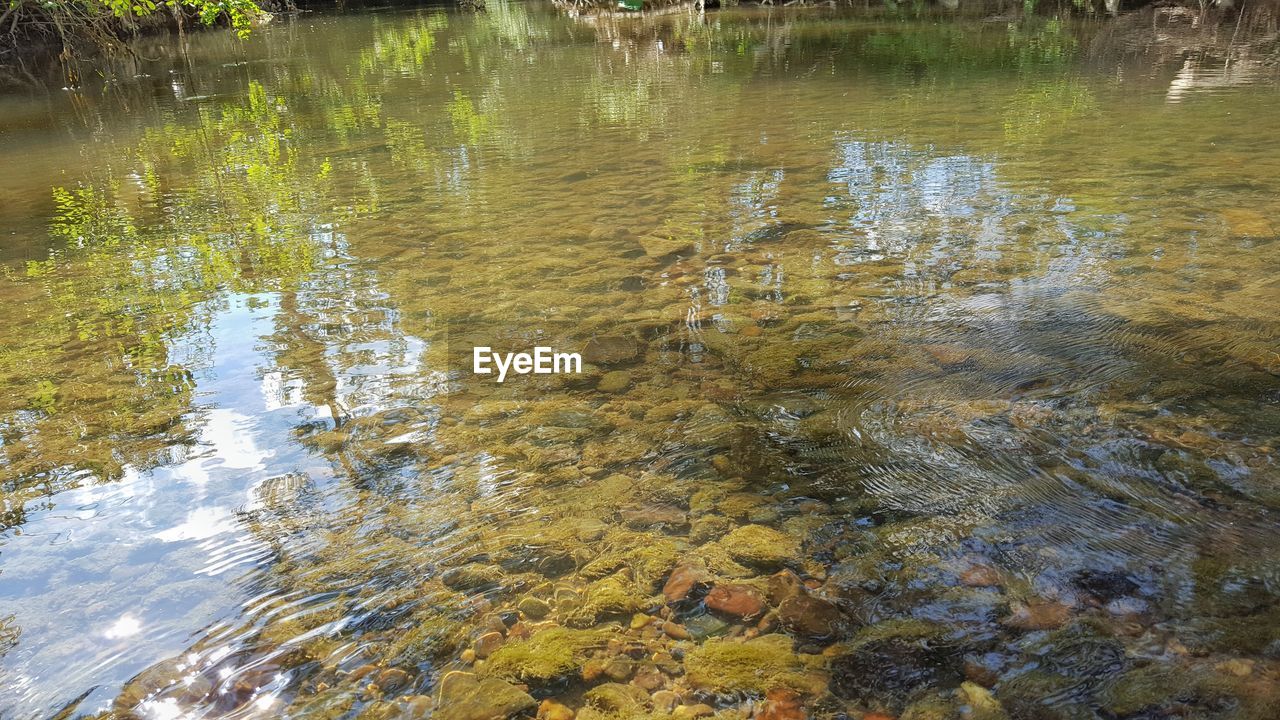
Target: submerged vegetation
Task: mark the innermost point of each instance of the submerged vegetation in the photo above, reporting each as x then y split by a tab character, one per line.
916	385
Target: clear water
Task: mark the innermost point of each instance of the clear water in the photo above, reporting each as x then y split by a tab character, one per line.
980	316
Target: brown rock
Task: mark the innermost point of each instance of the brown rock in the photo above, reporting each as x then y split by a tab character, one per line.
675	631
948	355
552	710
593	670
646	516
393	680
810	617
418	706
682	581
649	679
782	704
619	669
488	643
608	350
664	701
738	600
465	696
782	585
980	576
1038	615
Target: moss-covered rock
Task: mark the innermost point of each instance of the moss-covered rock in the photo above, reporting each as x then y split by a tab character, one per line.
472	577
755	666
613	597
466	696
761	546
548	655
618	698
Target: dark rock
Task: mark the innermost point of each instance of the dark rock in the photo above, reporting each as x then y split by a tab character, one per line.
888	671
1105	585
812	618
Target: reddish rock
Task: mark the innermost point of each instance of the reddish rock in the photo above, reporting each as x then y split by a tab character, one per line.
552	710
782	704
980	576
683	579
1038	615
741	601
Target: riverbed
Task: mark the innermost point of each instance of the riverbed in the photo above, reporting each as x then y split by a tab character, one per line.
930	369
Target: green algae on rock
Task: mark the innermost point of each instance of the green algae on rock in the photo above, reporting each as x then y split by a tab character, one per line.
755	666
548	655
761	546
466	696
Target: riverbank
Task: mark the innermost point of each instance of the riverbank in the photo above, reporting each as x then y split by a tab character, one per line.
78	34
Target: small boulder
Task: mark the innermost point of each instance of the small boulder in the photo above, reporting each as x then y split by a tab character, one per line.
683	579
472	576
488	643
761	546
393	680
736	599
782	585
611	350
1038	615
552	710
810	617
466	696
664	701
533	608
782	704
617	698
614	382
642	517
